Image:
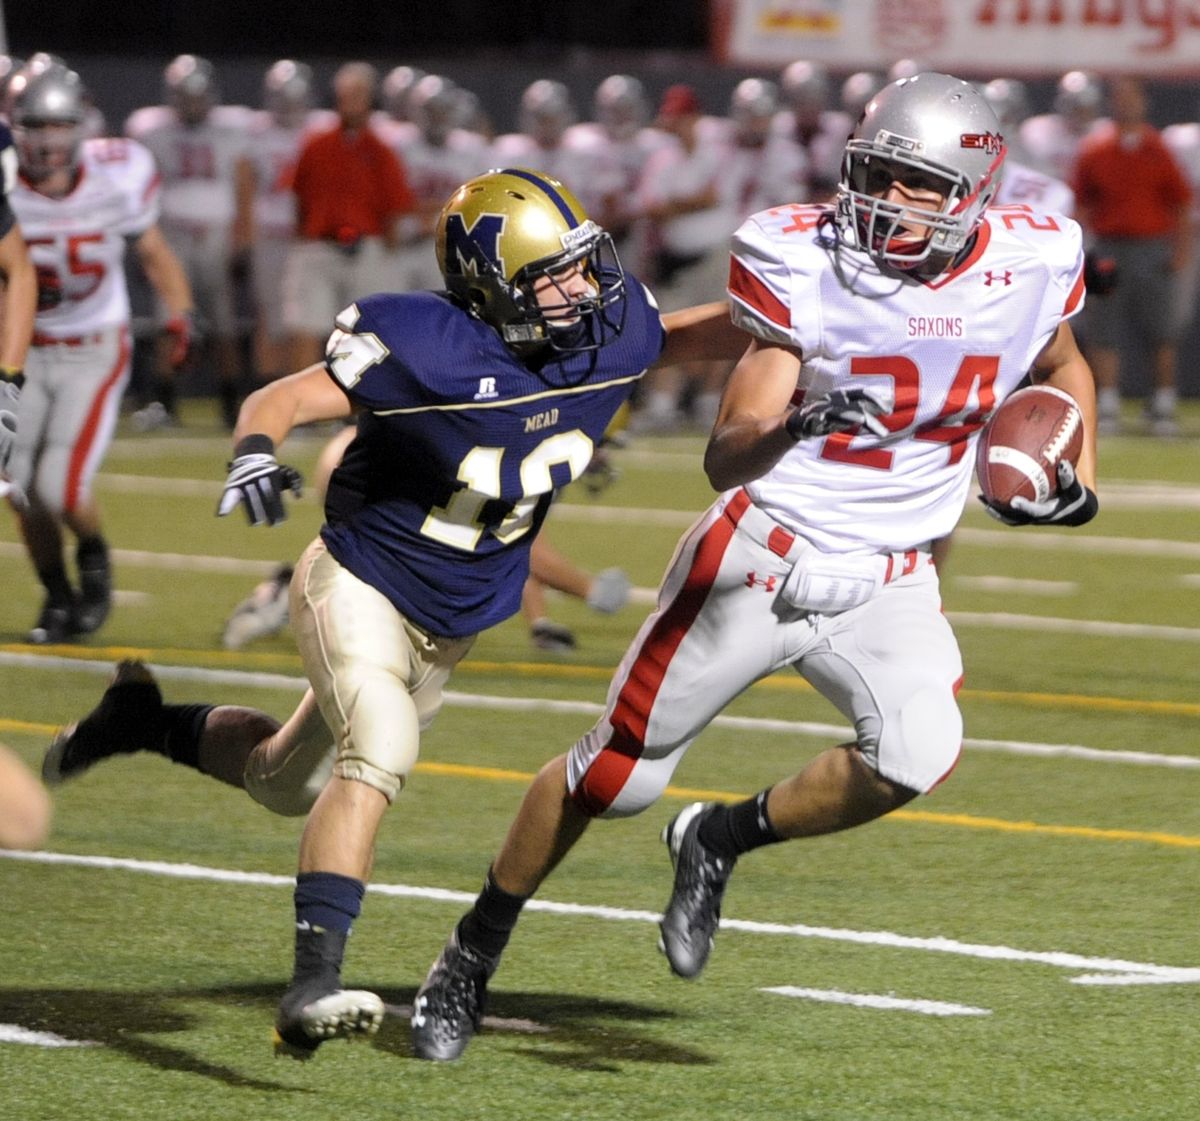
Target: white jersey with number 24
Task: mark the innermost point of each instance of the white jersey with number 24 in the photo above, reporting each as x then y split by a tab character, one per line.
942	353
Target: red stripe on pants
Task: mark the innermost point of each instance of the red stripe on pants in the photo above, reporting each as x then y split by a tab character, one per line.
87	435
610	770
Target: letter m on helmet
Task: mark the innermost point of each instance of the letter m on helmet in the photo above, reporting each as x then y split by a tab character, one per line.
474	251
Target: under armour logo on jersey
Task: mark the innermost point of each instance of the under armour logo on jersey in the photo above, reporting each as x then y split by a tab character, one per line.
487	389
753	580
1005	277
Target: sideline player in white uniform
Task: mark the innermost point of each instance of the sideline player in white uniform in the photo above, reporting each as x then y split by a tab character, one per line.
275	136
1183	139
546	112
207	199
77	202
438	154
811	122
1051	140
884	332
18	305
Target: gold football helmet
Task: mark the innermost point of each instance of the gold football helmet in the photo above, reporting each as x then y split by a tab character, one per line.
501	233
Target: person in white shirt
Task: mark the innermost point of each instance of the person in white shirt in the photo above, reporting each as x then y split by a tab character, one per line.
546	112
620	132
811	121
78	202
275	135
1183	139
1023	184
202	152
1051	140
438	154
843	448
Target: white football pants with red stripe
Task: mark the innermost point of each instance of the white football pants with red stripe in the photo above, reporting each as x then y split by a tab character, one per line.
890	665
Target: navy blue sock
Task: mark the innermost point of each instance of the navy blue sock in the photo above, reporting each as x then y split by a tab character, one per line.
327	901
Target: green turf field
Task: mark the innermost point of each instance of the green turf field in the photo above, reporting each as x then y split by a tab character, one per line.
1023	944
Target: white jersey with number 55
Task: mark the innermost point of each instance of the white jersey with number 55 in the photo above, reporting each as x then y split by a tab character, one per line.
77	242
942	353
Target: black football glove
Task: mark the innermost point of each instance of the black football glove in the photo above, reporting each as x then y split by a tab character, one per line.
257	481
1071	504
837	411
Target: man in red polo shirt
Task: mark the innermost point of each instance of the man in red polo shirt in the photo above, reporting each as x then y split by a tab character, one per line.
1133	202
351	196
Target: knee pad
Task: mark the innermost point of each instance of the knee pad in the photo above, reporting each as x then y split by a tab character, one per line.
379	739
617	785
918	742
289	791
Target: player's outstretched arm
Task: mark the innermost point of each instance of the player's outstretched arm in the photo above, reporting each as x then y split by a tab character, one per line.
257	481
20	299
702	333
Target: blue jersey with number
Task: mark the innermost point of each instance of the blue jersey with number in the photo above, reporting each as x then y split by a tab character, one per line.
460	448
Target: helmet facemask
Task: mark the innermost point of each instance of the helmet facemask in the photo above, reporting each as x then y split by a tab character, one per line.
921	137
46	147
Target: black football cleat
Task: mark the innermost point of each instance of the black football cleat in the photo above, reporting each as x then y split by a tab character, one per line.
693	912
57	622
127	719
449	1005
312	1012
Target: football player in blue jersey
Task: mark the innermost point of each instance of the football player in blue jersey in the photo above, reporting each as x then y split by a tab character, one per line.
474	406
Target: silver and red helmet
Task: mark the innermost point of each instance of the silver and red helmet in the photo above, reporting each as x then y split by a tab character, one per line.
287	92
47	105
546	111
190	87
620	105
932	132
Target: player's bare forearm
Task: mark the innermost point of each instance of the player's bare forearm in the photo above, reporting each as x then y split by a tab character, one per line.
1062	365
165	272
749	437
20	300
701	333
279	406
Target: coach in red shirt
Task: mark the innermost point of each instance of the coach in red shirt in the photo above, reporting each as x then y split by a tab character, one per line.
1132	199
351	194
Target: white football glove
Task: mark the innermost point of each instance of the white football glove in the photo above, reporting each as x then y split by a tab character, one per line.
257	481
839	410
10	396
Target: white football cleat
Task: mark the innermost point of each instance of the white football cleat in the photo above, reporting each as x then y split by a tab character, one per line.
261	614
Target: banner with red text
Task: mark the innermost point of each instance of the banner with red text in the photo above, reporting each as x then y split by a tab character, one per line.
976	38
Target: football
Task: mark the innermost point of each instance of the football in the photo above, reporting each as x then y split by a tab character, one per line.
1022	444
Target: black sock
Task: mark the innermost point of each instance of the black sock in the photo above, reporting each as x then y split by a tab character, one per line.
486	927
730	831
182	727
58	587
91	552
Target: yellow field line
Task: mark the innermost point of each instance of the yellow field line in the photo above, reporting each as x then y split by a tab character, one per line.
602	674
687	794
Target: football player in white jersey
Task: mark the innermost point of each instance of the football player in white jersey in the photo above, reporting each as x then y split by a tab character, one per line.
1051	140
620	130
18	305
201	149
437	154
811	122
78	202
883	332
1184	141
1023	184
546	112
275	136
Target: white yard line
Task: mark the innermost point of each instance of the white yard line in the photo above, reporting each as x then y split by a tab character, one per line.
259	680
1008	585
981	951
871	1000
14	1033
